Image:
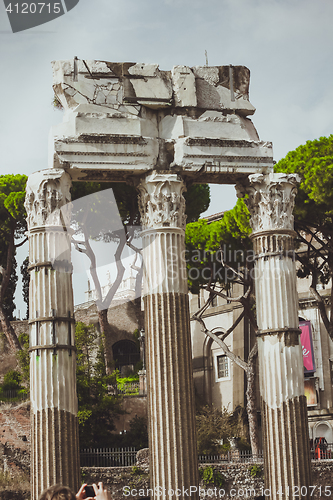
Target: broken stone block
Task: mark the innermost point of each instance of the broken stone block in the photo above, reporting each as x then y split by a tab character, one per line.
171	127
226	89
151	91
152	88
216	125
184	86
142	69
208	73
84	82
236	78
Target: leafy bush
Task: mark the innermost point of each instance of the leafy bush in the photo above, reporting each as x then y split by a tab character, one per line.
124	384
255	471
240	422
136	471
213	425
97	405
12	381
137	436
209	475
24	358
216	426
11	388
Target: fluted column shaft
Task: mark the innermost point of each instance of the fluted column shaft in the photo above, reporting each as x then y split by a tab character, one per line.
172	438
54	424
281	372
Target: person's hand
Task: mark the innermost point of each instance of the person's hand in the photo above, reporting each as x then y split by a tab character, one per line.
81	494
101	493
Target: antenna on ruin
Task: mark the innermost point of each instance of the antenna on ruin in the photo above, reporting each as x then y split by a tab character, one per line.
75	71
206	55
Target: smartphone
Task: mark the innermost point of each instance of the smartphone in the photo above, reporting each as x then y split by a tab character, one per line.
89	491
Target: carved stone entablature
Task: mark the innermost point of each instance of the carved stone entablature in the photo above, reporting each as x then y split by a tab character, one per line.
48	198
161	201
124	118
270	200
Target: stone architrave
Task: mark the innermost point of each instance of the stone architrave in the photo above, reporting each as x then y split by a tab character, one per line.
173	456
281	372
54	437
127	119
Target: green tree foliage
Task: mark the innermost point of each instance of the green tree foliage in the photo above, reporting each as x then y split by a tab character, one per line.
12	227
12	387
314	163
25	284
313	213
215	427
24	358
210	475
197	198
218	255
12	380
138	433
206	244
12	195
137	436
97	407
9	296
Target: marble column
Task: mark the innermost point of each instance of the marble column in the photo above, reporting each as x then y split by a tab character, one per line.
54	424
172	436
281	374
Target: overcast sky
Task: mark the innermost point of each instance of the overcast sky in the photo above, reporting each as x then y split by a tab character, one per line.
286	44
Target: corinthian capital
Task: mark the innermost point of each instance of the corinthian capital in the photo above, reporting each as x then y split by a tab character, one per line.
270	200
48	197
161	201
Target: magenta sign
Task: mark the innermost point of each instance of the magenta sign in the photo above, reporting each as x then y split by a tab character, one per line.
307	347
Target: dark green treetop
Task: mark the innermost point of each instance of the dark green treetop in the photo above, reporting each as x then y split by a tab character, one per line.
313	161
210	243
12	227
313	213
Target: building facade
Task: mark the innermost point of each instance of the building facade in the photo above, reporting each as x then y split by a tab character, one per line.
221	382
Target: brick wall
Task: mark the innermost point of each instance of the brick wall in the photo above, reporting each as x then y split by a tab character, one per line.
124	317
15	439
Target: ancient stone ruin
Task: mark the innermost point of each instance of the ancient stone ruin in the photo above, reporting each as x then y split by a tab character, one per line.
160	130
